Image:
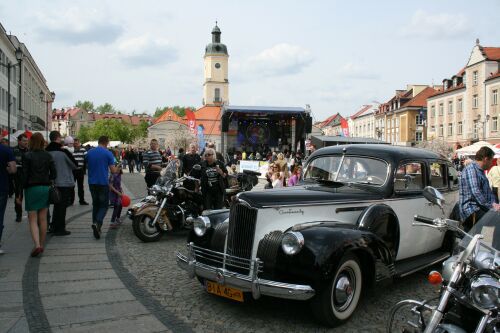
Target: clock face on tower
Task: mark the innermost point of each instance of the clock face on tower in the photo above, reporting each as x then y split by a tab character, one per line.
217	65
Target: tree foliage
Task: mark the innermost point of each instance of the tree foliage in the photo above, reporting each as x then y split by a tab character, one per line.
85	105
106	108
179	110
115	129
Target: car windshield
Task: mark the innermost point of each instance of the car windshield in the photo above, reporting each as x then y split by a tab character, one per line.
347	169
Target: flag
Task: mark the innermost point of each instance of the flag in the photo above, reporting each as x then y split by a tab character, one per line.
191	118
345	127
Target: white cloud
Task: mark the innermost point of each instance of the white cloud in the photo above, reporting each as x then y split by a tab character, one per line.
279	60
76	26
355	71
438	26
146	51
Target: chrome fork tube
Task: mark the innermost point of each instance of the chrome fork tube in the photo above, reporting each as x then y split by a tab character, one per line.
163	203
482	324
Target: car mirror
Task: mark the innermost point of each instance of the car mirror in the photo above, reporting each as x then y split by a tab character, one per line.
197	167
434	196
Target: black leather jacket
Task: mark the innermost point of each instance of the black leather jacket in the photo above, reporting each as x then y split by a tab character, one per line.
38	168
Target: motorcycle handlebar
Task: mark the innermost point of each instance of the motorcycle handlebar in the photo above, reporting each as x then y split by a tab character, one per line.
423	219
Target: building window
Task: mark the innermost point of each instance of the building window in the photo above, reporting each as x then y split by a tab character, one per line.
459	128
217	95
450	129
433	111
419	120
475	102
494	124
433	129
450	107
474	78
440	130
494	97
418	136
475	128
460	105
441	109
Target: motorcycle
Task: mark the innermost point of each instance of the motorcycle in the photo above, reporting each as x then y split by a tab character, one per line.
171	205
469	295
241	182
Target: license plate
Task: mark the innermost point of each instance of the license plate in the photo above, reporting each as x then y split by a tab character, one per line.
224	291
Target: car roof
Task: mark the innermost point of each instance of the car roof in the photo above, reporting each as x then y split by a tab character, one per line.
386	152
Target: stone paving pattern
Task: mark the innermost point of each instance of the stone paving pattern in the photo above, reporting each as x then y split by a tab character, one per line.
119	284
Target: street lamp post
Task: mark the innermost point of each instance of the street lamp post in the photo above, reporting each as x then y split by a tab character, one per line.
19	57
47	100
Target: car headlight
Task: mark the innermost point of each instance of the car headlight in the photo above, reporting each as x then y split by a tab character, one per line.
200	225
485	291
292	242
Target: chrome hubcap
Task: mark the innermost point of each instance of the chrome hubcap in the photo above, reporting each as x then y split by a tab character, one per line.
344	289
146	228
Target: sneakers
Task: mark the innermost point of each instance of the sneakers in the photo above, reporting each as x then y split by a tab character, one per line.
84	203
96	230
62	233
19	218
114	225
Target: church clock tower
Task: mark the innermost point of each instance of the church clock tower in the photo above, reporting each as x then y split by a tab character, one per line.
216	85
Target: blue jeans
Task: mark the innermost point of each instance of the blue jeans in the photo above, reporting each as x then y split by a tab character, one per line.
3	204
100	202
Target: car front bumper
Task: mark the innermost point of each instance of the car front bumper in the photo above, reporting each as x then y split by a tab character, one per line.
246	283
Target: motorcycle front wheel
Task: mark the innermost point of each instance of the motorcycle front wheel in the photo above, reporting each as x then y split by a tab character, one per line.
408	317
143	230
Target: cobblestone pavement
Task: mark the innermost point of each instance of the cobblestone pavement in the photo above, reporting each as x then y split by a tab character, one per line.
154	267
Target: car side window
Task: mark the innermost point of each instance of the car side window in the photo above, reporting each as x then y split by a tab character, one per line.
439	177
409	177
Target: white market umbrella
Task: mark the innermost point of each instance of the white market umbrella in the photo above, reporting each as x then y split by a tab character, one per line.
472	149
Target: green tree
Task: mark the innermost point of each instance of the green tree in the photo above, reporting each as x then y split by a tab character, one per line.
86	105
105	108
85	134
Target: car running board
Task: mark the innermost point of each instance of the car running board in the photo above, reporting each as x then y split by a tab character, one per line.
411	265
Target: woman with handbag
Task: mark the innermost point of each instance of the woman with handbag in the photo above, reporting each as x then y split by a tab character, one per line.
38	173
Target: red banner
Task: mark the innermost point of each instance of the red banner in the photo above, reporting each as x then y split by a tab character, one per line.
191	119
345	127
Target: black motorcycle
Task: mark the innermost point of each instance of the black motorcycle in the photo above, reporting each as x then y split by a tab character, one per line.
469	297
241	182
171	205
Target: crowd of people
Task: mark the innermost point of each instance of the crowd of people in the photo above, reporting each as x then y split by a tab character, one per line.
44	173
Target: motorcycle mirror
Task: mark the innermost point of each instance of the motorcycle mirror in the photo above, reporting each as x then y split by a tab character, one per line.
434	196
197	167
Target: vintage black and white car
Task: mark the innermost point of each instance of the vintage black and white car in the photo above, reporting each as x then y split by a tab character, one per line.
346	227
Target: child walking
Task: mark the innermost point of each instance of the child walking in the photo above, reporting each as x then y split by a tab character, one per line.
115	196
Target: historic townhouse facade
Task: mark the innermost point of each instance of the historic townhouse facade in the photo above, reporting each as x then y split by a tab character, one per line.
466	109
403	116
27	84
362	123
332	125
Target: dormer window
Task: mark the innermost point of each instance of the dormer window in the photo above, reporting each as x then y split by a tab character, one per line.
445	84
474	78
454	82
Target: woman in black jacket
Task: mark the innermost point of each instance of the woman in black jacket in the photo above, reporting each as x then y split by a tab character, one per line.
39	172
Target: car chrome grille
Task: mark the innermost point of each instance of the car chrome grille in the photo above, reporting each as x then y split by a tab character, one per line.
242	220
223	260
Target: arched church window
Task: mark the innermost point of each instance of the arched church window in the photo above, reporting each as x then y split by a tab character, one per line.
217	95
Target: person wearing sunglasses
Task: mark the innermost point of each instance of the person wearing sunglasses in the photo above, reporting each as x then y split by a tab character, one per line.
213	174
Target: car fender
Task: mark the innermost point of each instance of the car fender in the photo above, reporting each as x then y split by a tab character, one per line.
324	246
381	220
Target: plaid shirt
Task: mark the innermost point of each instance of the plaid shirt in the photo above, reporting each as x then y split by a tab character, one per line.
475	191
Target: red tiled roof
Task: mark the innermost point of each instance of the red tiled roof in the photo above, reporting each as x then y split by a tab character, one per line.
491	53
209	117
441	91
493	76
170	115
421	98
329	120
133	120
360	112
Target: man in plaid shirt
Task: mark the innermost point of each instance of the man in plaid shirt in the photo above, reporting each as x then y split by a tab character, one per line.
476	197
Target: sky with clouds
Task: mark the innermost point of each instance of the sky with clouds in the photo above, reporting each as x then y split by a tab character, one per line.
333	55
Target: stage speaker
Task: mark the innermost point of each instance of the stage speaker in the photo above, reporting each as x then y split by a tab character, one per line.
309	124
225	123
